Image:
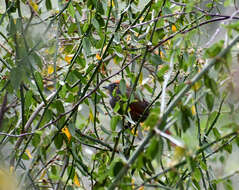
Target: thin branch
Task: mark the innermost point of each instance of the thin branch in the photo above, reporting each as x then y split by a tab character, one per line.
168	111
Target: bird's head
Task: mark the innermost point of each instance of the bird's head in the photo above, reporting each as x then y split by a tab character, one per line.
112	86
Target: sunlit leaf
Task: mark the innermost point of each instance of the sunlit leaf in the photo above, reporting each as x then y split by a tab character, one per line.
91	116
33	4
193	108
50	69
76	180
66	131
28	153
174	29
98	57
68	58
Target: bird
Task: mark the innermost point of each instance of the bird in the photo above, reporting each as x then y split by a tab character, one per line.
138	108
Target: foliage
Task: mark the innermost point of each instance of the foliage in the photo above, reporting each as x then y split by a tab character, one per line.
57	129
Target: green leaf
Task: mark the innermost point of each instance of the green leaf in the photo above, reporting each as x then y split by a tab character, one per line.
25	157
71	10
71	172
47	116
39	80
36	140
196	184
197	174
214	50
216	133
87	46
237	141
153	118
203	165
228	185
72	28
234	26
100	20
117	166
114	121
79	161
99	8
228	148
28	98
58	141
156	59
117	107
211	84
150	166
16	77
95	24
54	170
122	87
36	59
48	5
59	106
162	71
186	114
210	101
105	130
11	27
153	149
72	128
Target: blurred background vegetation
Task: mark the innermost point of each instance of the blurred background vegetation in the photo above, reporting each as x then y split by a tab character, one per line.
57	130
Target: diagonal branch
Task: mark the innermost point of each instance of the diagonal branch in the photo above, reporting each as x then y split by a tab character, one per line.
171	106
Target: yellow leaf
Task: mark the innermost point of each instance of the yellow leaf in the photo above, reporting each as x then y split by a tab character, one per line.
145	128
76	180
68	58
174	29
196	86
33	5
140	78
141	19
141	188
193	109
115	60
128	38
179	152
43	174
46	51
28	153
50	69
98	57
11	169
132	182
66	131
161	54
132	131
168	41
111	1
91	116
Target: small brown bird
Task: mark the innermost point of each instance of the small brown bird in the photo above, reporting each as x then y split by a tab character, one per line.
137	107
